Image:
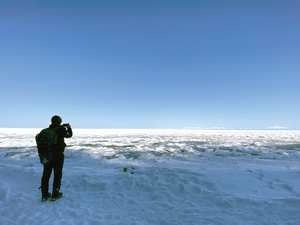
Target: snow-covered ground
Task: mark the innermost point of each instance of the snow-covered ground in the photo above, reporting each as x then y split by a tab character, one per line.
156	177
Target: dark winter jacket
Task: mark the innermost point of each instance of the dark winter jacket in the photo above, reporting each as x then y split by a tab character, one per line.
62	133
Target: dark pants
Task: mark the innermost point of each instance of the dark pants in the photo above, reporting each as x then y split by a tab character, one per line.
57	166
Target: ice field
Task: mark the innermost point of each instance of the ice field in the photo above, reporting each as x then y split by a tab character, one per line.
156	177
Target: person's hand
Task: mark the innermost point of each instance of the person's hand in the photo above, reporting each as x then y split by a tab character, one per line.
68	125
44	161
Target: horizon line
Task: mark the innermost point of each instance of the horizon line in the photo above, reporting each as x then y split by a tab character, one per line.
204	129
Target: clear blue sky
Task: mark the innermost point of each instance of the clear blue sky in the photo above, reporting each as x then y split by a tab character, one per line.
150	64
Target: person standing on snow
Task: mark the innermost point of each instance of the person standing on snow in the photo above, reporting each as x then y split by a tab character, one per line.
62	131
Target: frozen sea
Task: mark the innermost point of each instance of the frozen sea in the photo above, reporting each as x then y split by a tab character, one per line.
156	177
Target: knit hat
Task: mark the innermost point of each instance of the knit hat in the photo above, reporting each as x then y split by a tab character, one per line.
56	120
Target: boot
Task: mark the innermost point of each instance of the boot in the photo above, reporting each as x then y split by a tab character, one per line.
56	194
45	197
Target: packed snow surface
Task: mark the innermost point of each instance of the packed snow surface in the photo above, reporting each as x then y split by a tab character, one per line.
156	177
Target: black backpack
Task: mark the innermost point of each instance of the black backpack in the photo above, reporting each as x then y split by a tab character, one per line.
46	142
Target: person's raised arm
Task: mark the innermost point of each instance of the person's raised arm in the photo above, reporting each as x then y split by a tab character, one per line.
69	132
